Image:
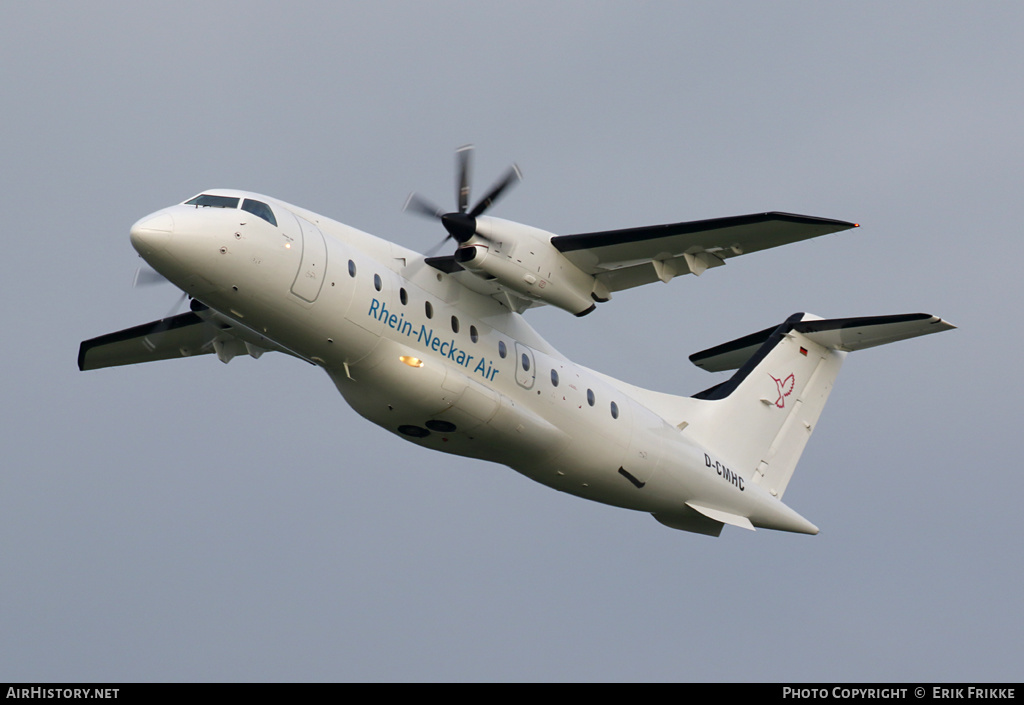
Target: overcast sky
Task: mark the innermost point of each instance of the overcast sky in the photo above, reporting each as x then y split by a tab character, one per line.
190	520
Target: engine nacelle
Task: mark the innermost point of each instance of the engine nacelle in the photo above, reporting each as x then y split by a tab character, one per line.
522	259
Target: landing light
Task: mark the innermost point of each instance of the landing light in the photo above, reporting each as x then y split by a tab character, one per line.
411	361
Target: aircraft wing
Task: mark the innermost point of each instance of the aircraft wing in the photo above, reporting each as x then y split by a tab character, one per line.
623	259
178	336
183	335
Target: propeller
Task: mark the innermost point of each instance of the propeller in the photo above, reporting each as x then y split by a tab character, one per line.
144	276
461	224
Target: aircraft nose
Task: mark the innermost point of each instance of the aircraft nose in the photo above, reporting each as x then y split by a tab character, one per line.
152	233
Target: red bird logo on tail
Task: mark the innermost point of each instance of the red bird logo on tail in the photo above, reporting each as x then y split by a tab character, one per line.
784	387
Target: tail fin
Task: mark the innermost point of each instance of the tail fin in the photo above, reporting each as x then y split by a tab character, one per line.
762	417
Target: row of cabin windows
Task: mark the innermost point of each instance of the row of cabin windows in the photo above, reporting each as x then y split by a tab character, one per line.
474	335
525	361
428	308
591	397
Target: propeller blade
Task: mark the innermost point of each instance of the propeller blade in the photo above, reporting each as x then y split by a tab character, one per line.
436	248
512	176
460	224
144	276
421	206
164	323
463	165
177	305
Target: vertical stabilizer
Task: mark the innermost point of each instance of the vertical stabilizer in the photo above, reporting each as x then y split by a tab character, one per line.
762	417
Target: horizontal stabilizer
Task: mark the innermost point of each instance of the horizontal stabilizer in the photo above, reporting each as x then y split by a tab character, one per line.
846	334
851	334
731	355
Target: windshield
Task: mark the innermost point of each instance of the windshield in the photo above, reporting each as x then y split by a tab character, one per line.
261	209
209	201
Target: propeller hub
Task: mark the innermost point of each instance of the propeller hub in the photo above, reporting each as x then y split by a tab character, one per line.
460	226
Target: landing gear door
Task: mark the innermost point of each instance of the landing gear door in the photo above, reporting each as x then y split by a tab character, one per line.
313	268
526	368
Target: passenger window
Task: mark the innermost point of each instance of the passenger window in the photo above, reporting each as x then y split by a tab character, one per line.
403	296
351	268
554	378
502	350
455	324
615	410
590	397
429	309
474	335
377	283
260	209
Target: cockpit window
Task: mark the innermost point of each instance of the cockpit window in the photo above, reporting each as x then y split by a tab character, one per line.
210	201
261	209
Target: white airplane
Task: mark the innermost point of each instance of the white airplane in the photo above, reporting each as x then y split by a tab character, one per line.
435	349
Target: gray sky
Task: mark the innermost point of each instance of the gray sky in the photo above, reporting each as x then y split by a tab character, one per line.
194	521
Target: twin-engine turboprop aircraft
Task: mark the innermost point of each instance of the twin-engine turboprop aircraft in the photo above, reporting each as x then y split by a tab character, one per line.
435	349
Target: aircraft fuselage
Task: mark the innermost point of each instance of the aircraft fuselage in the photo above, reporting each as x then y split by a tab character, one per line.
426	358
